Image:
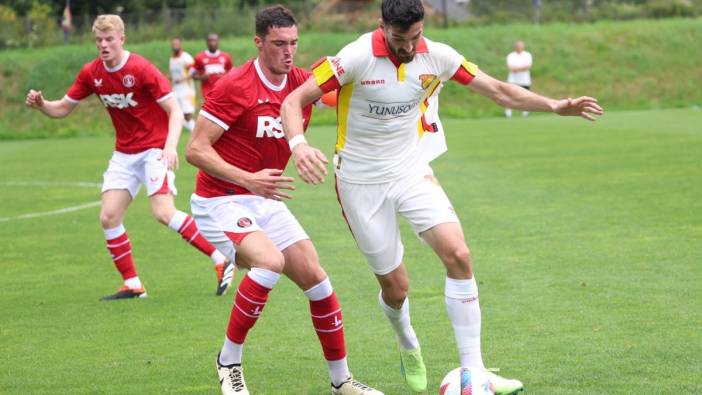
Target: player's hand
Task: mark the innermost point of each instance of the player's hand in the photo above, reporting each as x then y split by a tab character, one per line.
269	183
170	158
34	99
583	106
310	163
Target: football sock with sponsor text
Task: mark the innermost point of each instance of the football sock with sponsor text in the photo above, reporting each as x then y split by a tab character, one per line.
463	309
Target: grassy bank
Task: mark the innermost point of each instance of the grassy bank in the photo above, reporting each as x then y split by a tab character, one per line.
627	65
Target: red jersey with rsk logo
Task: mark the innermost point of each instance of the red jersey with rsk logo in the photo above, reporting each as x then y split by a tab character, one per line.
247	106
131	93
214	65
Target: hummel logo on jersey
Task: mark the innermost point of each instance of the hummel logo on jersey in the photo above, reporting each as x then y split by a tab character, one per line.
98	82
119	100
270	127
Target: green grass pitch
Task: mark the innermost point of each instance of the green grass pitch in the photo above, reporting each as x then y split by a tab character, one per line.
587	240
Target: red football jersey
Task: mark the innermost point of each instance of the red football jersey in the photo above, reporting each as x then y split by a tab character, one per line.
214	65
247	106
131	92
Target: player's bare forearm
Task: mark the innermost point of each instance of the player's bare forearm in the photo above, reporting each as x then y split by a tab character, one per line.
175	123
291	109
199	153
51	108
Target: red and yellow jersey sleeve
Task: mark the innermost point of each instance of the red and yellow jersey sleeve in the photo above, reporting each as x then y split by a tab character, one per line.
466	73
323	72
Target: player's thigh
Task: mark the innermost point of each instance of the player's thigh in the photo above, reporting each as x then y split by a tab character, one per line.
120	174
372	218
227	225
423	203
302	264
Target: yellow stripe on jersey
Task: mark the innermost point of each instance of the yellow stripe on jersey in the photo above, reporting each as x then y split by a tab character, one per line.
470	67
342	115
323	72
423	107
401	73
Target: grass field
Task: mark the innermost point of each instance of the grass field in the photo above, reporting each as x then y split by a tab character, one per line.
587	240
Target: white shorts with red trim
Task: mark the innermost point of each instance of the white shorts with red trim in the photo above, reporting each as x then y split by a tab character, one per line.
372	210
129	171
226	220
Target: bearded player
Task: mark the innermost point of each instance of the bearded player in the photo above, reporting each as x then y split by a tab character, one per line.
147	124
384	79
240	148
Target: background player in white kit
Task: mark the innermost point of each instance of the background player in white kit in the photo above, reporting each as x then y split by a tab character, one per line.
519	63
240	148
384	79
181	66
147	124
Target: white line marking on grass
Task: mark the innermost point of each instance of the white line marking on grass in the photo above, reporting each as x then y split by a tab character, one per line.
50	184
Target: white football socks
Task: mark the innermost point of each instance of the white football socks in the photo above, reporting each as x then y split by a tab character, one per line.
231	352
464	313
400	322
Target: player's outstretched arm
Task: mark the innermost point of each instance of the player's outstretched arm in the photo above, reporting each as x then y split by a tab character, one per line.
310	162
512	96
268	183
51	108
175	126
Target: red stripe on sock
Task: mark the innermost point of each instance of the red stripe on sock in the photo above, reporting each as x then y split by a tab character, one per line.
327	321
249	302
121	251
192	235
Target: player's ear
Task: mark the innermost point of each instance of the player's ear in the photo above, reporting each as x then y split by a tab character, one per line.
258	41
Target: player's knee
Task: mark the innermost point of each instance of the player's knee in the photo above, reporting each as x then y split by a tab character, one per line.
459	260
109	220
273	261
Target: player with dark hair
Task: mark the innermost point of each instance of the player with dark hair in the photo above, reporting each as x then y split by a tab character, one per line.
147	123
384	80
240	148
211	65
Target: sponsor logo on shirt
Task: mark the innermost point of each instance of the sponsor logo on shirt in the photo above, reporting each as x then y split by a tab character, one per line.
336	62
372	82
119	100
392	110
128	81
269	127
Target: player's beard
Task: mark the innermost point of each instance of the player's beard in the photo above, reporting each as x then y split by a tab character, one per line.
402	56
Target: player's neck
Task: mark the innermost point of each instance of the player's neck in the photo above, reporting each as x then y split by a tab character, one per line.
273	78
117	59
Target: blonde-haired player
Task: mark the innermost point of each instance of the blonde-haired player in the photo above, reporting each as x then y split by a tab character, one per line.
147	124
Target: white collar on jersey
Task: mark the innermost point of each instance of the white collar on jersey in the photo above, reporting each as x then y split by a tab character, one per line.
265	80
212	54
121	64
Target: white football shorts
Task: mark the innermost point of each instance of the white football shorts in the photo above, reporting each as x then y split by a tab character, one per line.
129	171
223	220
371	211
186	101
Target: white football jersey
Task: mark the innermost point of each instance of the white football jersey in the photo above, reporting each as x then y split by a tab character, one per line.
382	104
180	68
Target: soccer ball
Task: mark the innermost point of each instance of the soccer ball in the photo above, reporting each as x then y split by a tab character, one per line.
473	381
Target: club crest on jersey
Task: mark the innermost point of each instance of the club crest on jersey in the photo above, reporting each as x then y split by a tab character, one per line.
427	80
128	81
244	222
98	82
